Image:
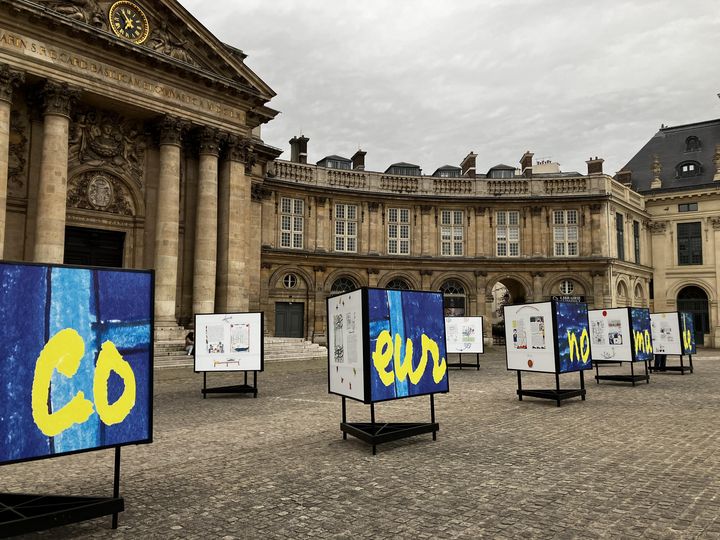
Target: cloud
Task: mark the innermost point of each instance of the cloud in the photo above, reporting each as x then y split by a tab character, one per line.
417	81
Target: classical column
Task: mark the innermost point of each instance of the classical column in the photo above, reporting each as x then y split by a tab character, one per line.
234	225
8	81
167	222
206	223
52	190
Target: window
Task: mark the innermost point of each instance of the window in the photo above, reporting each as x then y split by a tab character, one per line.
567	286
398	284
502	173
507	234
291	222
449	173
692	144
337	164
290	281
453	298
398	231
688	207
636	240
565	233
620	236
689	237
343	284
688	169
346	227
451	232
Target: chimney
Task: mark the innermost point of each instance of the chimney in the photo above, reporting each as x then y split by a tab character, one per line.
302	148
358	160
624	177
298	149
594	165
526	164
293	149
468	165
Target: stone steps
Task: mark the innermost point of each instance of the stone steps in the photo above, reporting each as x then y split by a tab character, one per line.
171	353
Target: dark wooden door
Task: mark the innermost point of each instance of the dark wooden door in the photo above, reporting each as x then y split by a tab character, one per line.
94	247
290	319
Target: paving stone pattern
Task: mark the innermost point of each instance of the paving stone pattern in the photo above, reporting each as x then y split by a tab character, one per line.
628	462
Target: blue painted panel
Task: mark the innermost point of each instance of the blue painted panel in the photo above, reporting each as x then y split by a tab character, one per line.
37	302
573	336
641	334
408	315
687	333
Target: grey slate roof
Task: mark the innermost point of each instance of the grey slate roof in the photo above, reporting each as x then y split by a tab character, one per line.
669	144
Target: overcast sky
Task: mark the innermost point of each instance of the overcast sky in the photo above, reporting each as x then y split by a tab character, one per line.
427	82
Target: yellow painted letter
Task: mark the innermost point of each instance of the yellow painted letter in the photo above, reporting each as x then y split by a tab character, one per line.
382	356
439	364
585	346
639	341
109	360
573	345
63	353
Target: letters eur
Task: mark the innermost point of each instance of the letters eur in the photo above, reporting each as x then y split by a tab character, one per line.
387	351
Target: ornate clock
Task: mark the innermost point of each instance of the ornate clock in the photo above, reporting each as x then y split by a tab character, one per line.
128	21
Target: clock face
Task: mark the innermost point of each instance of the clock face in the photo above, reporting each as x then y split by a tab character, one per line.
128	21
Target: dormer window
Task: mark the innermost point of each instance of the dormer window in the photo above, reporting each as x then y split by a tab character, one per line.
333	164
449	174
502	173
692	144
688	169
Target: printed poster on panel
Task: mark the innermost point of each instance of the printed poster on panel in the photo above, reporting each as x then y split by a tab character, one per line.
530	338
665	332
464	334
229	342
346	362
687	331
75	359
407	344
573	336
641	334
610	335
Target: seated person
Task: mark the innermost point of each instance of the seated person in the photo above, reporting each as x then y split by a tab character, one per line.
190	343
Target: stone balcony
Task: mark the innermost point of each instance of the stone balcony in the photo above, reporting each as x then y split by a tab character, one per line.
518	187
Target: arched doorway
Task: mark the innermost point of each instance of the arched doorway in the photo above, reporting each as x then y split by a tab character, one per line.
692	299
505	292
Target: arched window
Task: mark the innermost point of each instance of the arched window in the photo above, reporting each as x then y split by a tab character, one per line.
399	284
692	144
688	169
454	298
343	284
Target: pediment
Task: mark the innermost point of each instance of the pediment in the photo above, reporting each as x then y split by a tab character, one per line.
173	34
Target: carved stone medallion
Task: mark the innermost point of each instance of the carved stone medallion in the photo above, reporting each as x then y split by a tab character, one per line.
100	192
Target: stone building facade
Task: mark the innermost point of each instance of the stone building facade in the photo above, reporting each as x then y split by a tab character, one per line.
130	136
541	235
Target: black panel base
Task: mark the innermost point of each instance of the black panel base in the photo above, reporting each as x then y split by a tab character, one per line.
461	365
555	395
22	514
234	389
623	378
379	433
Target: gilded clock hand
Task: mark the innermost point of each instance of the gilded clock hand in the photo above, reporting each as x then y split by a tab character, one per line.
128	21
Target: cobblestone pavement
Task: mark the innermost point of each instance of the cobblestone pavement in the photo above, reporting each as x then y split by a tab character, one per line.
628	462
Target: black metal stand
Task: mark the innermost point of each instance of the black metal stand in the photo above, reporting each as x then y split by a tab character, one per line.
460	364
22	513
557	394
233	389
382	432
632	378
682	368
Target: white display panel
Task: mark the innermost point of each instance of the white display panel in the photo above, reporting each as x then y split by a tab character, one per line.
229	342
464	334
529	337
666	333
345	345
610	334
